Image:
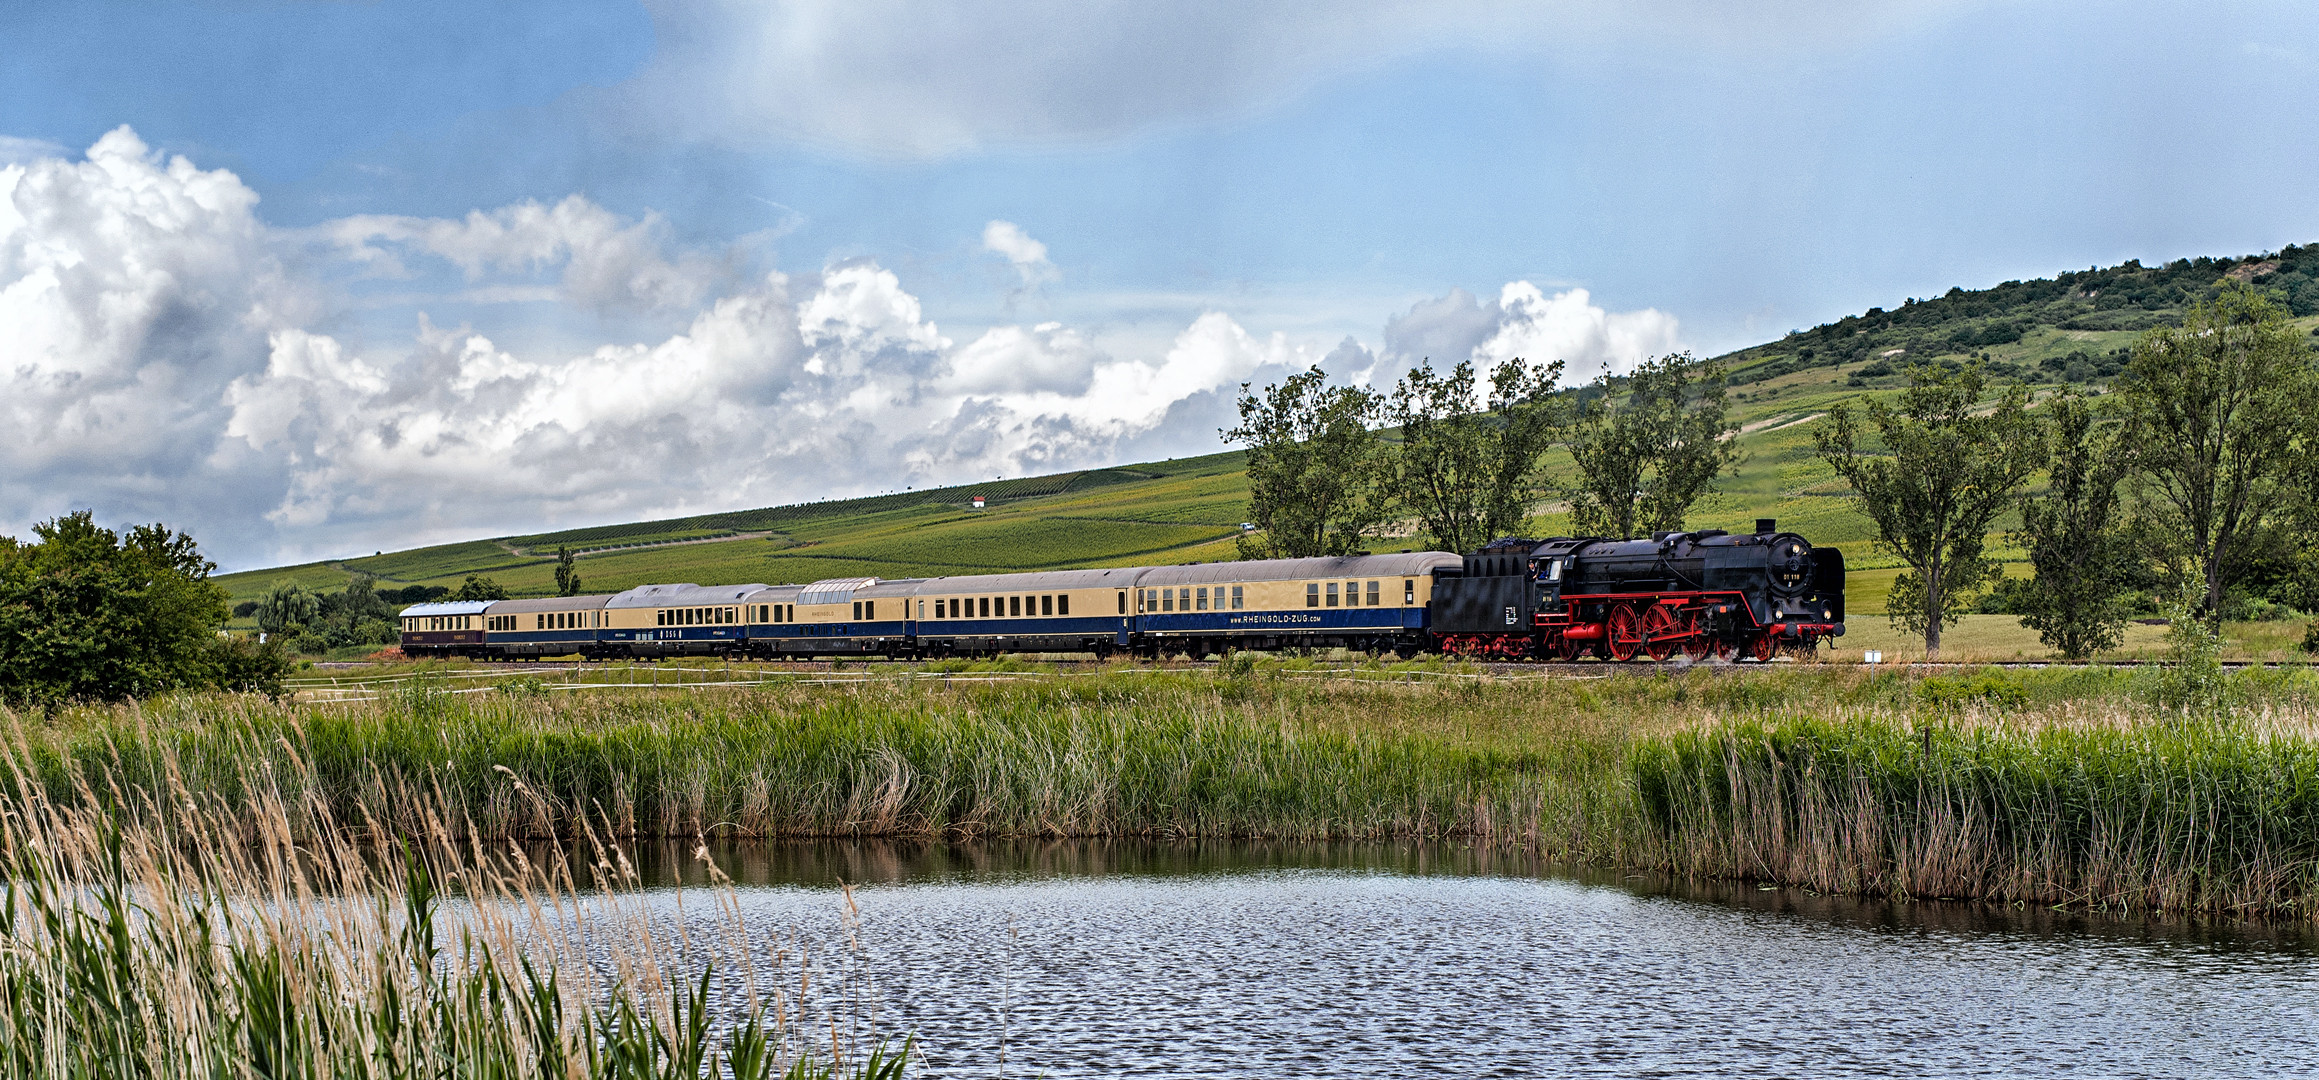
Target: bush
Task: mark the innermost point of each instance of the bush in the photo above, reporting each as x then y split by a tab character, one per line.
2311	639
242	665
309	643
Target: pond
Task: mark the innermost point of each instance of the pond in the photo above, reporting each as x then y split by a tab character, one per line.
1076	959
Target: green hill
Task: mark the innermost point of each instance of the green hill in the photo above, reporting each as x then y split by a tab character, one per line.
2073	327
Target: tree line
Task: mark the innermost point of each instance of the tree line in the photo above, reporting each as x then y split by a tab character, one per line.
1470	460
2196	478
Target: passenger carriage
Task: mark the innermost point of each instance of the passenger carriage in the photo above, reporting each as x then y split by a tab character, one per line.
678	620
1365	602
1051	611
451	628
549	626
834	617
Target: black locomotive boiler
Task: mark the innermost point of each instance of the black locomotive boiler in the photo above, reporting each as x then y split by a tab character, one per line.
1695	594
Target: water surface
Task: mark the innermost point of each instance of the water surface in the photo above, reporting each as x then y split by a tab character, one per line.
1081	959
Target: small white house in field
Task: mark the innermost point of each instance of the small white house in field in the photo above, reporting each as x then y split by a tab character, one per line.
978	502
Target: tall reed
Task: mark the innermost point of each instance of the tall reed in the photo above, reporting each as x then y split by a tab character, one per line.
2196	815
885	759
206	935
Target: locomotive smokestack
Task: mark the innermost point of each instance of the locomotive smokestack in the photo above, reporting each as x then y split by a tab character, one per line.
1766	525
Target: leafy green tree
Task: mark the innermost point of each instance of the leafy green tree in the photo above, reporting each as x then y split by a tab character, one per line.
1466	472
567	575
90	613
2082	561
1313	467
287	608
1644	460
2217	411
479	588
1948	466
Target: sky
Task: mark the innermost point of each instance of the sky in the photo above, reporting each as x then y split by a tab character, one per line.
316	279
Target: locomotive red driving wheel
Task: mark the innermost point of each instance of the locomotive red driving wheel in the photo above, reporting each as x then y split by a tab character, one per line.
1625	632
1700	644
1762	647
1660	625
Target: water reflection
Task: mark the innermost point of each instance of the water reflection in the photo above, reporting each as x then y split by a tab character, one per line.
1399	959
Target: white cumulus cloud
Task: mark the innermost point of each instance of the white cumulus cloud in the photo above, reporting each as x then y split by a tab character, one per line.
1027	256
603	261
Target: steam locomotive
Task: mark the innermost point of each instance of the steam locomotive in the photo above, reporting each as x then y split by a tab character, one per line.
1696	594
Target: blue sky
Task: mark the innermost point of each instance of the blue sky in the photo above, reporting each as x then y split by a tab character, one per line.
319	278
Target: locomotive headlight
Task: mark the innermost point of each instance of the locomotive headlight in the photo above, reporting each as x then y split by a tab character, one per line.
1827	613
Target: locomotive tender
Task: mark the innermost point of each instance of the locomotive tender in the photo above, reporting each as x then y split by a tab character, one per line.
1700	594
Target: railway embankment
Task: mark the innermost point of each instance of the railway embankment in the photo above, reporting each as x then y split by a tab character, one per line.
2072	787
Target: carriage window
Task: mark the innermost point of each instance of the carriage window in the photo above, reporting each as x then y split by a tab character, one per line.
869	609
921	609
1332	594
857	609
1063	603
1408	590
1202	598
983	606
1123	602
1236	597
1046	605
1352	594
1373	595
1312	594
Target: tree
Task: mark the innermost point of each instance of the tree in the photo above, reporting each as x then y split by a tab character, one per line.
287	608
1313	467
2082	561
86	612
1947	469
1467	472
479	588
2215	408
567	576
1642	463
